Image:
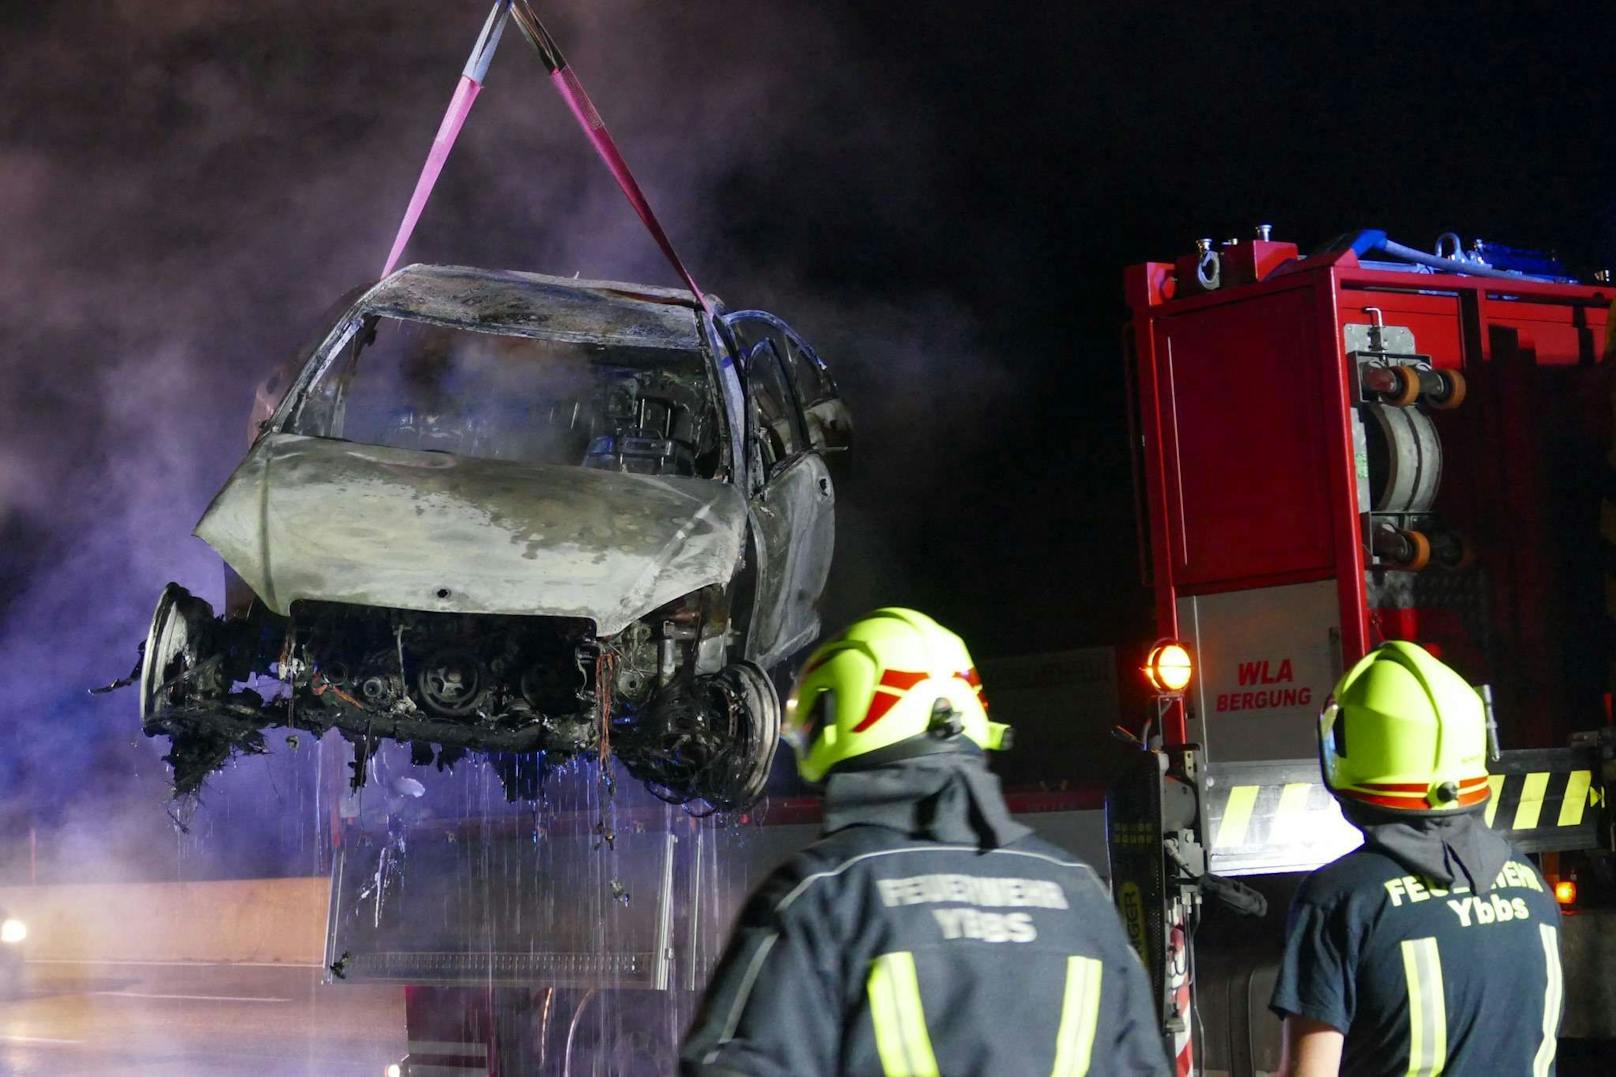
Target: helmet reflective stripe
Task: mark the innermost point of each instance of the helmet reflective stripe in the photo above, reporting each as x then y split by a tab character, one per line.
894	683
1405	733
1471	791
972	678
885	674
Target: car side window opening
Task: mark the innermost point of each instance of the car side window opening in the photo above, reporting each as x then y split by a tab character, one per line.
415	385
826	427
813	383
774	409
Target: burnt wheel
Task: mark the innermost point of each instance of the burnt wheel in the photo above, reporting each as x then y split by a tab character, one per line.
174	645
709	738
739	774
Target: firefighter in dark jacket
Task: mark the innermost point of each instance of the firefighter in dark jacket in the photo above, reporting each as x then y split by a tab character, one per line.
926	932
1434	947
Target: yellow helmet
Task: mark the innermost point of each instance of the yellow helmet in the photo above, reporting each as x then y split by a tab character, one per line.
889	677
1404	733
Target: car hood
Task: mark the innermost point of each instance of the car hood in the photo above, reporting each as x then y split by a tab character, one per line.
316	518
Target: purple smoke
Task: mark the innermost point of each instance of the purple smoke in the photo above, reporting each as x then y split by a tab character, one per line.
190	185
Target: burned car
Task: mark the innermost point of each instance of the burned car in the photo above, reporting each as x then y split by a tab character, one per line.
519	515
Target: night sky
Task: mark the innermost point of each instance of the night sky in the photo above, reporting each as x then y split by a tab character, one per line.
940	197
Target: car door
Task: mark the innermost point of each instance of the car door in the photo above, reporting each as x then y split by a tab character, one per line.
830	437
791	504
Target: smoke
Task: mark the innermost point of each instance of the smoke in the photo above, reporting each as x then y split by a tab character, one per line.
185	187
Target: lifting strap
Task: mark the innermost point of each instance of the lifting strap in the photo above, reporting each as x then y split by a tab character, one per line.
583	110
465	94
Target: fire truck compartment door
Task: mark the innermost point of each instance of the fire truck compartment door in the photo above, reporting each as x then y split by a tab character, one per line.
1267	659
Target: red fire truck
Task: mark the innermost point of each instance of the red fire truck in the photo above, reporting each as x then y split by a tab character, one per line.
1371	442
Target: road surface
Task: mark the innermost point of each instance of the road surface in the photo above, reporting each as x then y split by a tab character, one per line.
70	1019
78	1020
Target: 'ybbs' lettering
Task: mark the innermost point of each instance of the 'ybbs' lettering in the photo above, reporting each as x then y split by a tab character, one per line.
986	926
1493	909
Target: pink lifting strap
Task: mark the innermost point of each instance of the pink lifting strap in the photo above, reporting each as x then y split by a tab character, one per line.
465	94
588	117
583	110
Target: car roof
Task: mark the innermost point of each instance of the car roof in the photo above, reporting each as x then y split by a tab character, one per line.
536	305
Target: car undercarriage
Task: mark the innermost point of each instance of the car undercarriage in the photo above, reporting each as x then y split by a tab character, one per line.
658	695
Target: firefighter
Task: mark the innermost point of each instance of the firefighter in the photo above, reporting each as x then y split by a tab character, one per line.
1434	947
926	932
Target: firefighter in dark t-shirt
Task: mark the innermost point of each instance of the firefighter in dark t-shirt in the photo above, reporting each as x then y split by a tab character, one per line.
1433	948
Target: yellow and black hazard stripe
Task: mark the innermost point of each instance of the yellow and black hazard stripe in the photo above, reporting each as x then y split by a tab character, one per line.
1265	817
1547	799
1542	800
1257	814
1278	816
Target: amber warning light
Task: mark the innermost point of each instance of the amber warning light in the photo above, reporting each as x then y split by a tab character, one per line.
1565	891
1169	667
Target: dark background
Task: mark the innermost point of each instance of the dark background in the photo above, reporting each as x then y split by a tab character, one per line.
941	197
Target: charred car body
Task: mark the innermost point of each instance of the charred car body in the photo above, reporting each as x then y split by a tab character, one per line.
520	515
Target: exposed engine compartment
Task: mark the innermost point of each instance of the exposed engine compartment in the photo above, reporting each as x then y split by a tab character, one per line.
658	695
